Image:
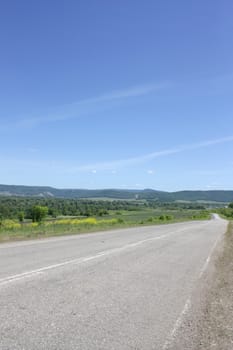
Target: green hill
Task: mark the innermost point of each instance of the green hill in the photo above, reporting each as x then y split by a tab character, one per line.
46	192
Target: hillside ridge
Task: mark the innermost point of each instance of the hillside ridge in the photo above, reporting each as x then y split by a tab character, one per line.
48	192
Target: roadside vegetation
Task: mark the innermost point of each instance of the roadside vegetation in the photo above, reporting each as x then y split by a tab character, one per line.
22	218
227	212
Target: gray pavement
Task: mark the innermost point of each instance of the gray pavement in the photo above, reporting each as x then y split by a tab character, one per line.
122	289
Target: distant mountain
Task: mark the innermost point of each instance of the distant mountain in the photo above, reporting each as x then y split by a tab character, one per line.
214	195
40	191
46	192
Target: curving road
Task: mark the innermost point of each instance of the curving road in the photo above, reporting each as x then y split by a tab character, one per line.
121	290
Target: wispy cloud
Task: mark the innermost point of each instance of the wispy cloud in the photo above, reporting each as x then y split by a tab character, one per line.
133	91
115	164
89	105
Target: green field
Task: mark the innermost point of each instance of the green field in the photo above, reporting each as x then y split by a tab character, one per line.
11	229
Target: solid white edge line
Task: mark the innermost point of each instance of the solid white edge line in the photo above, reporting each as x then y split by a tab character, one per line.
188	304
177	325
204	267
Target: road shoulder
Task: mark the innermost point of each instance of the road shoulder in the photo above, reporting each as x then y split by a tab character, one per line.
209	323
215	329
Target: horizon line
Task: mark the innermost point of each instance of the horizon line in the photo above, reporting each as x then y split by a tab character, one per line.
111	188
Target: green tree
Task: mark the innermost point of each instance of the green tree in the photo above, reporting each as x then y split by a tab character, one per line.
230	205
21	216
38	213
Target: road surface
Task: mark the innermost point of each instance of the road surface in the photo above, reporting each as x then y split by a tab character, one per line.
123	289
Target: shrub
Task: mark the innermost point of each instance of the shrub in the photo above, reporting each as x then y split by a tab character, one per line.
151	219
10	225
38	213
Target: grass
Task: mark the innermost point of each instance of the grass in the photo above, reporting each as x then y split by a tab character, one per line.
225	213
13	230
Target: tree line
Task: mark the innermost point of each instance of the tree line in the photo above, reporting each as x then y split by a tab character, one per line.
18	207
28	207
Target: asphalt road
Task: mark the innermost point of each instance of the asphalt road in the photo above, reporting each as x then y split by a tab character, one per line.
122	289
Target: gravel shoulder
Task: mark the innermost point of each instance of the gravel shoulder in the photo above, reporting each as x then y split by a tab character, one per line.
209	323
216	326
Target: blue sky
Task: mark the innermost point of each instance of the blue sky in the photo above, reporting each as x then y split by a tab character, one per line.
117	94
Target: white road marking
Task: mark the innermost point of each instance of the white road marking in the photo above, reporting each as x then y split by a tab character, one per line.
7	245
32	273
177	325
204	267
188	304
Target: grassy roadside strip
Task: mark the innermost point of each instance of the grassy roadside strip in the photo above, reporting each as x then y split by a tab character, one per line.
216	327
12	230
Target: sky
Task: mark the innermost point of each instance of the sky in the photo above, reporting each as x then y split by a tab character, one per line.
117	94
